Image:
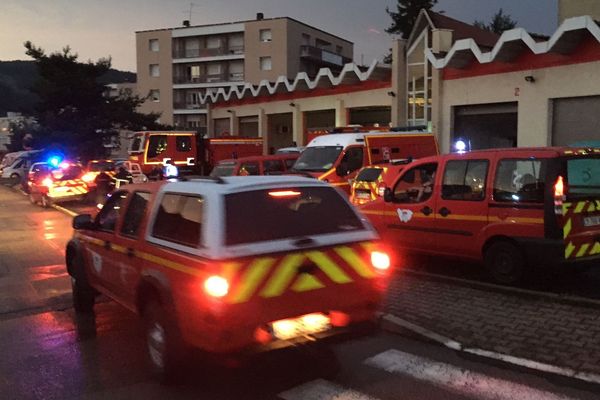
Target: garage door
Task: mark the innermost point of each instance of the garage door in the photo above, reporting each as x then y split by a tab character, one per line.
486	126
575	119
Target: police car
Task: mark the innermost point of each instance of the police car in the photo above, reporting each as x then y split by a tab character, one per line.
230	264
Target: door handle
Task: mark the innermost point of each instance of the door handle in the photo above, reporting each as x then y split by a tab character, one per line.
130	252
444	212
107	245
426	210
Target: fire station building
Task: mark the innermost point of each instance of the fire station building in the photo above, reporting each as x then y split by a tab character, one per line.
461	82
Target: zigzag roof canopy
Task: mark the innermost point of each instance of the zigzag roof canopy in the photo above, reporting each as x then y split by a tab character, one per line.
513	42
349	75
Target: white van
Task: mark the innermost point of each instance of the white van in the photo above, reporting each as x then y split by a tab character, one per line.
20	166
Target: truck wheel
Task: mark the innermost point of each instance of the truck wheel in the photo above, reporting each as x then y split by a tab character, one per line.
163	341
83	296
504	262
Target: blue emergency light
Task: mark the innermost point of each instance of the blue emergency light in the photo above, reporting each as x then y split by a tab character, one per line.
54	161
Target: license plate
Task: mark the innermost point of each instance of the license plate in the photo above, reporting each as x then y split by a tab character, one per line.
305	325
591	221
61	189
363	195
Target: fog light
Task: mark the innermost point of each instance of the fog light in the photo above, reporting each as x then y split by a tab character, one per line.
380	260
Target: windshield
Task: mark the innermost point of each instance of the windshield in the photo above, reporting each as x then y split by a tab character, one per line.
583	175
287	213
369	174
223	170
318	158
137	144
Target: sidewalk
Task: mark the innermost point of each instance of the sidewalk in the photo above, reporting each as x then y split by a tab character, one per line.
538	329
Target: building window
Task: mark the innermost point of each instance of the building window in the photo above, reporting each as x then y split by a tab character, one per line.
155	95
419	78
213	42
265	64
322	44
154	70
265	35
305	39
153	45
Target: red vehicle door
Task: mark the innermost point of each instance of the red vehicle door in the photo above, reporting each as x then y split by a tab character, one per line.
410	217
461	209
100	251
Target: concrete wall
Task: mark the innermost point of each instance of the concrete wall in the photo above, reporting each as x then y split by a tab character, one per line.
534	99
576	8
145	82
254	48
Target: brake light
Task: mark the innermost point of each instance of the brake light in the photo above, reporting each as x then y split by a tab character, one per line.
48	182
380	260
284	193
559	192
216	286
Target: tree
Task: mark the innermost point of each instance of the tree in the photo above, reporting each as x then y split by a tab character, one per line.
406	15
500	22
73	111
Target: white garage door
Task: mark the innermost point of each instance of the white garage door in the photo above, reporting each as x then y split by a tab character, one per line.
575	119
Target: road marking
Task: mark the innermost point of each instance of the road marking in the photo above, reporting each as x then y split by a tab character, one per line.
320	389
64	210
455	379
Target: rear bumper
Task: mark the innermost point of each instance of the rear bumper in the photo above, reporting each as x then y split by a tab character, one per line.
544	252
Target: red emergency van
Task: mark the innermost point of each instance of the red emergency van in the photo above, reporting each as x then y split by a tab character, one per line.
511	208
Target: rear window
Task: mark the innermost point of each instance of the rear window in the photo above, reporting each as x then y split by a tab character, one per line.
286	213
583	176
369	174
520	180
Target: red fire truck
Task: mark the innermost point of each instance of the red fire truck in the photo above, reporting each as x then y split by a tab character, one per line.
187	150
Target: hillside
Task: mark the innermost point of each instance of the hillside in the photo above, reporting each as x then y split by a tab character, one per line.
18	77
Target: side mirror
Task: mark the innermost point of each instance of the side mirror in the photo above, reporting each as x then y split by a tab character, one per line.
342	170
388	195
83	221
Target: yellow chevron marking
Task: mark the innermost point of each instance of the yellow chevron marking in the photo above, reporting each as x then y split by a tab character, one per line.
253	277
306	282
171	264
330	269
583	250
230	270
569	250
355	262
595	249
286	271
565	208
579	207
567	228
592	207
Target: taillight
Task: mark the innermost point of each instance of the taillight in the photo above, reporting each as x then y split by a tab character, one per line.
88	177
216	286
559	193
48	182
380	260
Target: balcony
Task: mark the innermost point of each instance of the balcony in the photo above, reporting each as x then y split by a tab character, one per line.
323	57
178	105
201	53
214	78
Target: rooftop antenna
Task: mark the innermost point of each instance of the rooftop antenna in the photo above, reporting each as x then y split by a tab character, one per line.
190	15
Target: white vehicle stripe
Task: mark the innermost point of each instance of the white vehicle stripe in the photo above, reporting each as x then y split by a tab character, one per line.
320	389
455	379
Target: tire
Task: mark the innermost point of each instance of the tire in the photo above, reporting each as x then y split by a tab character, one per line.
505	263
164	344
45	201
83	296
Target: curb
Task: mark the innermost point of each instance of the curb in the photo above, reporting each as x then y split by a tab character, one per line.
398	322
528	293
64	210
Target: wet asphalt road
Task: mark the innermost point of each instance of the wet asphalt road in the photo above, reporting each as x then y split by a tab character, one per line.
48	352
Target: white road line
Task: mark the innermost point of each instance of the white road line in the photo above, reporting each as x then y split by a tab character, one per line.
64	210
320	389
455	379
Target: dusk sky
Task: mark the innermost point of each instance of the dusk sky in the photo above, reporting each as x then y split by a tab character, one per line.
96	29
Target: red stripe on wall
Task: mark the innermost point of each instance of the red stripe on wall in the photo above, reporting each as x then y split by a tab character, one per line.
587	51
367	85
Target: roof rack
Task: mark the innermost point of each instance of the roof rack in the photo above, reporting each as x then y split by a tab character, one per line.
421	128
214	179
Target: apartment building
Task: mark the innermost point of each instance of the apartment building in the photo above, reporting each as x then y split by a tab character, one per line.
175	66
